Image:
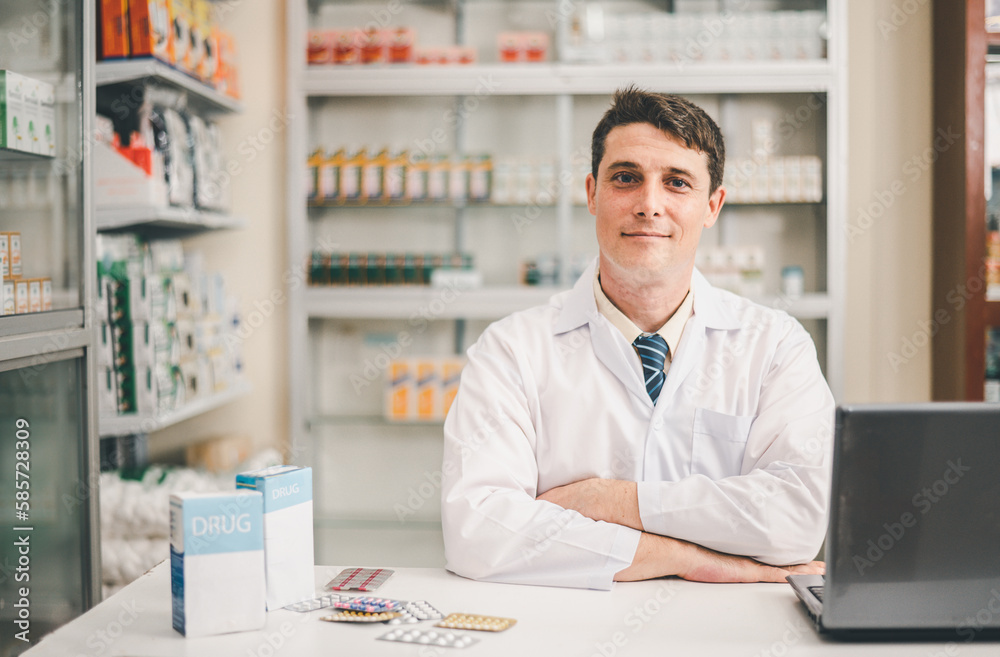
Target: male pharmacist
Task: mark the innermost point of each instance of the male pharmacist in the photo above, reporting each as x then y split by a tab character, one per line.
644	423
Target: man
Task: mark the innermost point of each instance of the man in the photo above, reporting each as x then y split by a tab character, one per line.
644	423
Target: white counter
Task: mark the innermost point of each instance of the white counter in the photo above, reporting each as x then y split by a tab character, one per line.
661	617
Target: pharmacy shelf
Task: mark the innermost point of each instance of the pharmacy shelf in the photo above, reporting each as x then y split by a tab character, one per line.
807	306
123	425
46	322
371	421
576	79
11	155
404	302
169	217
143	71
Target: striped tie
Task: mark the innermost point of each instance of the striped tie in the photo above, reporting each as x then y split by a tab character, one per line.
653	351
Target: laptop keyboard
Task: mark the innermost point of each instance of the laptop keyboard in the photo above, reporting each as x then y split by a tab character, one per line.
817	591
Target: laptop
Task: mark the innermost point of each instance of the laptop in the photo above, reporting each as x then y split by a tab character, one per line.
913	547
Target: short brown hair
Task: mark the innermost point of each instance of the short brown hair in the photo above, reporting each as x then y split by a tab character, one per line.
674	115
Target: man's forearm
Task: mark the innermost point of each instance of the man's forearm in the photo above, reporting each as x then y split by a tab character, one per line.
656	556
610	500
662	556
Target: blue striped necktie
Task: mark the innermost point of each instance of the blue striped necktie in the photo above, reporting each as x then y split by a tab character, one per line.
653	351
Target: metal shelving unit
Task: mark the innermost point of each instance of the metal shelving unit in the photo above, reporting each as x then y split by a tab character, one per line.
315	90
181	219
48	410
170	221
573	79
124	425
144	71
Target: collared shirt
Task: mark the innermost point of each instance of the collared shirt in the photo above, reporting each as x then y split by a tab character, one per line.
671	332
735	455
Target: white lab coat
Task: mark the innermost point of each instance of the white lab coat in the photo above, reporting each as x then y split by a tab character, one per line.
735	455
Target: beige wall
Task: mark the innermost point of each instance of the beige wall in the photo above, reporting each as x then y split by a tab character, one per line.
888	263
253	258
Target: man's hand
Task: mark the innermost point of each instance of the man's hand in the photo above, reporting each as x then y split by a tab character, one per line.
661	556
610	500
711	566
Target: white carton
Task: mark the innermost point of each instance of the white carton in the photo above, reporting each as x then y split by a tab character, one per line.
288	531
46	118
217	562
7	305
13	111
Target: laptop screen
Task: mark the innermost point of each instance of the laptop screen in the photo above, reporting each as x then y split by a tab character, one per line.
915	517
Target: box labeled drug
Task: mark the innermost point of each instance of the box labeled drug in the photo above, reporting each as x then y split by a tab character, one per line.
288	531
217	562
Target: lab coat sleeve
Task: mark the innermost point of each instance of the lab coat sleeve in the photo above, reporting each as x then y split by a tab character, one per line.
494	528
775	511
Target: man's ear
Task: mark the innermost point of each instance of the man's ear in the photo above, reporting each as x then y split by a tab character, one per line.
715	203
591	194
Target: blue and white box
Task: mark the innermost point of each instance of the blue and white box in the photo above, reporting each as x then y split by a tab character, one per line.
288	531
217	562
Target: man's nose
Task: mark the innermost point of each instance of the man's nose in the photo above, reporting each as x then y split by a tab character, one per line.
649	200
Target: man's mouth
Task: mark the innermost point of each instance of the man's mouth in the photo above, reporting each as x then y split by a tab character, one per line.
642	233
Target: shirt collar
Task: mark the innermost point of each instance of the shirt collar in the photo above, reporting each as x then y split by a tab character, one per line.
580	307
670	332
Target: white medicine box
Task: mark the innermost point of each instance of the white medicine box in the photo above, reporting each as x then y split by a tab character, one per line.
217	562
288	531
13	111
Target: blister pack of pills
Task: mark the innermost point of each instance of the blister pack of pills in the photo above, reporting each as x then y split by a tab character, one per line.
359	579
370	604
348	616
430	638
476	622
321	602
414	612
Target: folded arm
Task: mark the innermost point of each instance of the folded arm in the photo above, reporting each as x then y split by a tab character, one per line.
774	511
494	528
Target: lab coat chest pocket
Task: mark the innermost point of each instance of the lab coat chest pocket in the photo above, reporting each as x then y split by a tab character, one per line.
720	440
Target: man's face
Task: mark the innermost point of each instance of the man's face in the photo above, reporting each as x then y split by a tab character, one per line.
651	199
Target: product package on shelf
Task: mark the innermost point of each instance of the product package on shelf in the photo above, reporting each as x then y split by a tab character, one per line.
174	159
20	294
993	258
595	34
992	387
383	268
27	114
544	268
393	176
775	180
171	327
421	389
374	46
184	34
739	269
517	47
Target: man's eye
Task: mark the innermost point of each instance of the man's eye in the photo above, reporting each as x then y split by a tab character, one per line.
624	177
677	183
